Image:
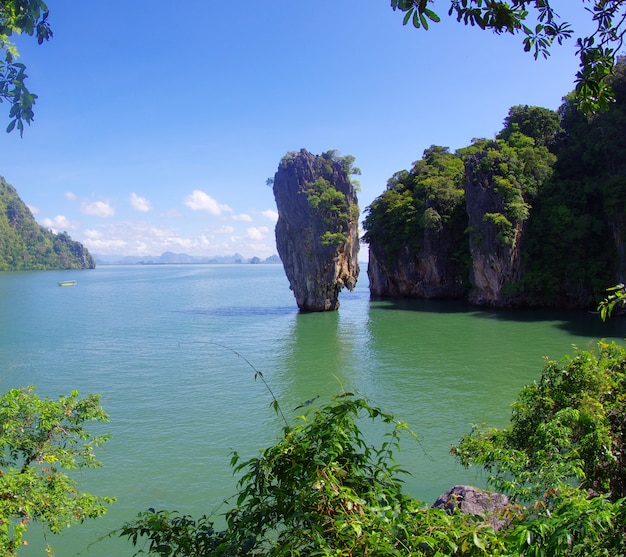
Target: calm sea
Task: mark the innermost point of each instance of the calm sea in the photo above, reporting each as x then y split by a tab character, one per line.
173	350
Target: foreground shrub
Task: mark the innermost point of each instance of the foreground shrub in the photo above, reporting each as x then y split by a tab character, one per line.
320	490
323	490
566	429
41	441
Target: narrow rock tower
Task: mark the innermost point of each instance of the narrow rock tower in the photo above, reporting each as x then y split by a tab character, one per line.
317	229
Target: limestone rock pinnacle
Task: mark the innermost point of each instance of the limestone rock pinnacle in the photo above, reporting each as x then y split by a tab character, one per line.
317	228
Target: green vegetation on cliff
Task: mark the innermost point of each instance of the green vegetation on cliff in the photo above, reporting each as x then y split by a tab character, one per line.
429	197
330	206
577	230
542	204
517	168
26	245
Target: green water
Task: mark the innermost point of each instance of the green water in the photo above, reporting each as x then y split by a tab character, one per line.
173	351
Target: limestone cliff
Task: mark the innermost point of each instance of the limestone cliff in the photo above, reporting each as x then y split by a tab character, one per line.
453	213
317	228
416	231
544	214
495	240
617	224
431	272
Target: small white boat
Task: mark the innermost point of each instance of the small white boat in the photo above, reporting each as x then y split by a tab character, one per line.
67	283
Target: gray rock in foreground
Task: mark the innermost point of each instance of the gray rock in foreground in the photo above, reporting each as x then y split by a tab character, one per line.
494	508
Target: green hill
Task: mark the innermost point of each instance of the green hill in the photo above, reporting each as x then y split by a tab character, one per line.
26	245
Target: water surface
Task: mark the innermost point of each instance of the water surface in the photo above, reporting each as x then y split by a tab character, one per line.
173	350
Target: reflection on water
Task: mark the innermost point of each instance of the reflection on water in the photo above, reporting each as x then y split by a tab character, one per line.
316	358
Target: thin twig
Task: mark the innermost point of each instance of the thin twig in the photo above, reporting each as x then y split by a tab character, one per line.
257	374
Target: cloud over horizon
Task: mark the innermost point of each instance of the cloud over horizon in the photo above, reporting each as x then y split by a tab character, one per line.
202	201
59	223
141	238
257	232
101	209
270	214
140	204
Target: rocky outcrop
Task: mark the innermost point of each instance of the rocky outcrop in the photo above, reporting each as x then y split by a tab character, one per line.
616	220
495	237
429	273
317	228
416	231
494	508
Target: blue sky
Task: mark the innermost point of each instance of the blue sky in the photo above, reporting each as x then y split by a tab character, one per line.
158	123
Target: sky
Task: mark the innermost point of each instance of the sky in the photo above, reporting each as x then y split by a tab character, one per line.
158	123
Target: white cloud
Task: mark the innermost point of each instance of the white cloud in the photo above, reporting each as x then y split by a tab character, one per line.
142	238
92	234
270	214
201	201
106	243
60	222
97	209
140	204
257	232
34	210
242	217
224	230
70	195
107	246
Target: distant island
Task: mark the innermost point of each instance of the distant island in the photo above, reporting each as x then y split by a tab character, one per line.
170	258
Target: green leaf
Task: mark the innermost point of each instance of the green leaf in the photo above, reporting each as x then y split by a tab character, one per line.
478	542
416	19
407	16
432	15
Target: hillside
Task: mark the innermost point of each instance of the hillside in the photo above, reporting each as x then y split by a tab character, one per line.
25	245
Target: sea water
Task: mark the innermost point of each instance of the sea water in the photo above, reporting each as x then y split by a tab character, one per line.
188	360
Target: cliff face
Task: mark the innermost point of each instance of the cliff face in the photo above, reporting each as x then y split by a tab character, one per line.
26	245
495	241
432	272
617	223
416	231
544	204
435	267
317	228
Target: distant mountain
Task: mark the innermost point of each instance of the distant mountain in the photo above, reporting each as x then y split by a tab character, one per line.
169	258
26	245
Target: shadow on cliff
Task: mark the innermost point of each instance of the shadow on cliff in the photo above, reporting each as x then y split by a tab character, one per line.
576	322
